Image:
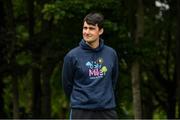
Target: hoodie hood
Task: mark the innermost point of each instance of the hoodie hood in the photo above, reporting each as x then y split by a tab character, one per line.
85	46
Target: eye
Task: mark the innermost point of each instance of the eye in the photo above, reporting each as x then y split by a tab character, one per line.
91	28
84	28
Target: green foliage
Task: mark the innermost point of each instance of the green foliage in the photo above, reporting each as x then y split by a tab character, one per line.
159	114
23	58
25	94
19	7
21	34
58	28
8	96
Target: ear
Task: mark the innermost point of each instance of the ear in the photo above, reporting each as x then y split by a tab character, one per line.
101	31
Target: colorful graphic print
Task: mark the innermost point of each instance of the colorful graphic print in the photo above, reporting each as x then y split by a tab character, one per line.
96	68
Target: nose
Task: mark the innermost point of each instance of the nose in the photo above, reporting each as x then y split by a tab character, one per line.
87	31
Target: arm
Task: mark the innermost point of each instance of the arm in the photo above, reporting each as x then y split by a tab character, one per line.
67	76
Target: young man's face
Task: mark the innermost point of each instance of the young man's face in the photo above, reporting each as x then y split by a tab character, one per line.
91	33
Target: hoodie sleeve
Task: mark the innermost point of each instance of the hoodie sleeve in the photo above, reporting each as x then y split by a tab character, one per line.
67	76
115	72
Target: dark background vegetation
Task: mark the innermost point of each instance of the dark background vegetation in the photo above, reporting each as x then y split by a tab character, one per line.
36	34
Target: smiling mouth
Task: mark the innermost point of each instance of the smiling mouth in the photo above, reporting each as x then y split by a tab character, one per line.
87	36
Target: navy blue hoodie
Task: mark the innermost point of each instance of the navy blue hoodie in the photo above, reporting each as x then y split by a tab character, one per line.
89	76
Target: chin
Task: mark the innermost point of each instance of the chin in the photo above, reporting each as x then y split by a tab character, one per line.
89	41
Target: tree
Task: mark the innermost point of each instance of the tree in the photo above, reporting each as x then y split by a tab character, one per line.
36	83
2	60
10	26
178	58
135	71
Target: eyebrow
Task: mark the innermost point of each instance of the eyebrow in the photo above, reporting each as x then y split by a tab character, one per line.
89	27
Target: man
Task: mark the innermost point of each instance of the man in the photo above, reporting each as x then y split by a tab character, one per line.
90	73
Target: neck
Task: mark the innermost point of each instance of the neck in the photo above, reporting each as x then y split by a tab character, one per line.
94	44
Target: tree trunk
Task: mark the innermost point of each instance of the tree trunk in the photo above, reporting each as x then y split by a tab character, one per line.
47	68
147	107
46	73
15	97
136	90
2	114
46	95
135	70
171	103
2	21
46	89
2	16
178	58
11	32
171	99
36	94
36	83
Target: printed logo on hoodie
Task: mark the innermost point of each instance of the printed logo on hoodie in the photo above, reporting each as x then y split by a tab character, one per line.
96	68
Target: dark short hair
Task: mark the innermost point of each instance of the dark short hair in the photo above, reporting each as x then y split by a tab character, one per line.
94	18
